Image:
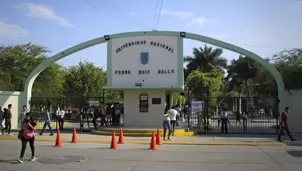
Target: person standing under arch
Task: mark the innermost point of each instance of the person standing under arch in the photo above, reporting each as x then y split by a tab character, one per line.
224	116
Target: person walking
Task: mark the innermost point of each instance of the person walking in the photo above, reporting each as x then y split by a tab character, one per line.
1	119
47	122
8	120
284	125
173	114
22	114
28	135
167	125
103	114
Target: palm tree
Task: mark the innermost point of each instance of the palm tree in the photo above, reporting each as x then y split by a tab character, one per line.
205	59
241	73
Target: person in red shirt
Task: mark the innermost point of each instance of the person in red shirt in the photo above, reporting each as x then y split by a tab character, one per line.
284	125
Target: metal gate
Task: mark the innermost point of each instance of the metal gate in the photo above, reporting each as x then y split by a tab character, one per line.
258	115
78	111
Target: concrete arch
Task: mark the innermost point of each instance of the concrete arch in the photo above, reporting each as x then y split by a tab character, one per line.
33	75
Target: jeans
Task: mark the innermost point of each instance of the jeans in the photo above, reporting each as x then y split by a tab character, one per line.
24	144
281	131
8	125
224	126
173	124
167	125
49	127
61	123
103	120
1	126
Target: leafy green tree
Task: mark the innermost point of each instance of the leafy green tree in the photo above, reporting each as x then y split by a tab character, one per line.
17	62
240	71
87	80
84	79
289	64
206	84
178	98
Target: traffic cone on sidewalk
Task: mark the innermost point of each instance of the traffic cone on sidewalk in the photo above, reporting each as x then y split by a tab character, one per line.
58	139
158	140
121	137
113	141
153	145
74	136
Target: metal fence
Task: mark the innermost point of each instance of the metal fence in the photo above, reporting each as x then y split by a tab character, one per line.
78	111
246	115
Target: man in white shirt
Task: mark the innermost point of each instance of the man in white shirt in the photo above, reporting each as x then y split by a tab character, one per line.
224	117
173	114
61	115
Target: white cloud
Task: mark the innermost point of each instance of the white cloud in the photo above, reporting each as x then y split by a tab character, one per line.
198	21
12	31
177	13
45	13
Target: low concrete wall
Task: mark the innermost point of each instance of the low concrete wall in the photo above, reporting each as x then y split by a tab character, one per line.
12	97
294	101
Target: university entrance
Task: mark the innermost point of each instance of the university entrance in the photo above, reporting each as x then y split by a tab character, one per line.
144	71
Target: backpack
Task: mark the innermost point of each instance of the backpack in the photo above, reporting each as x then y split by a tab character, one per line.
6	114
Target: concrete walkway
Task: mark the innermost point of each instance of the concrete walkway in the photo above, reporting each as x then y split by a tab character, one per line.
136	157
230	139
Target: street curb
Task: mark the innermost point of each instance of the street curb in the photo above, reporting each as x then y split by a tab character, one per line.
86	140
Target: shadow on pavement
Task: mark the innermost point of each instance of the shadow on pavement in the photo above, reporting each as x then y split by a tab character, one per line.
9	161
295	153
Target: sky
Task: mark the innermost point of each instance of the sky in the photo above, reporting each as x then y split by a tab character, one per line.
265	27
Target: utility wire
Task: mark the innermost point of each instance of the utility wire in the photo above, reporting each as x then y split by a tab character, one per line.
106	12
155	14
115	8
159	13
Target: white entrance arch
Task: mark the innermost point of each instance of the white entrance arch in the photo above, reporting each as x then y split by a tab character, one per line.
33	75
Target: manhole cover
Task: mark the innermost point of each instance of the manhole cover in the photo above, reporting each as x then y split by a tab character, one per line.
61	160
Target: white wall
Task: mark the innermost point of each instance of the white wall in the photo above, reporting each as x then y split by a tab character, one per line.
5	100
132	116
159	59
295	115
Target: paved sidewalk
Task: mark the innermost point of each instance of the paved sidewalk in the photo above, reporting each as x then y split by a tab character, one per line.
136	157
230	139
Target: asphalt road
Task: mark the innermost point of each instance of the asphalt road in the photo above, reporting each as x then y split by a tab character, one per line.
96	157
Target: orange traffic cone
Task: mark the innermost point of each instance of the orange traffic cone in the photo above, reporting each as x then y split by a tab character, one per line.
59	140
74	136
121	137
153	145
158	140
113	141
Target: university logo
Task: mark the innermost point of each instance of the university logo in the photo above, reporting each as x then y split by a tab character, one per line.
144	57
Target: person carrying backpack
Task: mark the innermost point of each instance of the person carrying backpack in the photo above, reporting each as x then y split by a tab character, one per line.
8	120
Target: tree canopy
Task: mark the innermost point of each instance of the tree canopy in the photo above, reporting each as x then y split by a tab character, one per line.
207	73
